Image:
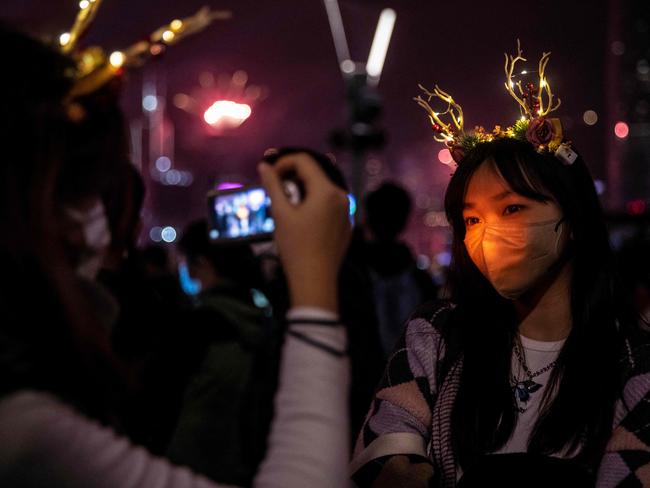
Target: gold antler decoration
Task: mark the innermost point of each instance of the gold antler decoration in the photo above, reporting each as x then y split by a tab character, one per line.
544	87
94	68
511	61
531	101
87	13
171	33
178	29
444	132
535	127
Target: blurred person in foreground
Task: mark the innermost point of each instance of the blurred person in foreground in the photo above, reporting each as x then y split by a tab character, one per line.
57	370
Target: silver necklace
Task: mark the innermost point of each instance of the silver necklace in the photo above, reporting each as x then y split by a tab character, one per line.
523	389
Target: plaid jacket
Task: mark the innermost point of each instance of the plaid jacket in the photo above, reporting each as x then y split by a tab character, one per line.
411	411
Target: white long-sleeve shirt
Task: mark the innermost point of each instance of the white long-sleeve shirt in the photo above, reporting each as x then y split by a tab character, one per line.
45	442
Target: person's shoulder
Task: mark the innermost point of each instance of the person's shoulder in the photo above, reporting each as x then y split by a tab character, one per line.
434	312
636	351
430	318
428	337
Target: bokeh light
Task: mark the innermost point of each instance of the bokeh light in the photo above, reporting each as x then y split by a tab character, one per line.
636	207
229	185
155	234
182	101
227	112
150	103
590	117
348	66
445	156
116	59
163	163
618	48
168	234
64	38
622	130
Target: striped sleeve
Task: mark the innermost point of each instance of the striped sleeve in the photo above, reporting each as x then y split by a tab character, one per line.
399	419
626	461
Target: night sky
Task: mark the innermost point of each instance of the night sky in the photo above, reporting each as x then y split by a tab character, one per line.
285	46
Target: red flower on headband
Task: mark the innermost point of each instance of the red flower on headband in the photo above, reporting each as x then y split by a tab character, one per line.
457	153
540	131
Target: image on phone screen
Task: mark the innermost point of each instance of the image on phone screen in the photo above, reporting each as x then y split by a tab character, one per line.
241	214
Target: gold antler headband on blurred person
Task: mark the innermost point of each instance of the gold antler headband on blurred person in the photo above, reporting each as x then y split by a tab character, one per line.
535	104
94	68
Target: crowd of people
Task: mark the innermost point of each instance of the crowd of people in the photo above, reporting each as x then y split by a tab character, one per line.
530	367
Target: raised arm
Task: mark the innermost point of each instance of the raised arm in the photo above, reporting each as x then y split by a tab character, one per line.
308	442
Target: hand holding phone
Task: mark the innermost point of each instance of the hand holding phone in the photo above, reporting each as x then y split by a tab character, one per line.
312	236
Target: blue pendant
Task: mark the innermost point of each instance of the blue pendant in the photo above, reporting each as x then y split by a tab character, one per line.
524	389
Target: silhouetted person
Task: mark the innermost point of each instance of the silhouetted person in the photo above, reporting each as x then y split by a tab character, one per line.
58	376
233	344
398	285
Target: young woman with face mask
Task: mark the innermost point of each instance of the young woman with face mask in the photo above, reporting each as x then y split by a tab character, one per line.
530	375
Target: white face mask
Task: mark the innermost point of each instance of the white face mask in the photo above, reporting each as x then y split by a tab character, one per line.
97	237
513	257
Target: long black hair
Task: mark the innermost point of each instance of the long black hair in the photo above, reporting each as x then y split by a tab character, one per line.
49	337
586	375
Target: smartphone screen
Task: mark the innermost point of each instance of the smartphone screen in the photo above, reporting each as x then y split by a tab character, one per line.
240	214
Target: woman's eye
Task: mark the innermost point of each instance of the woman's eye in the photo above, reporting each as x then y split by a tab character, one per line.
510	209
469	221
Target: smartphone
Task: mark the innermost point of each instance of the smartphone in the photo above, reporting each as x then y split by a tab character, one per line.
244	214
241	214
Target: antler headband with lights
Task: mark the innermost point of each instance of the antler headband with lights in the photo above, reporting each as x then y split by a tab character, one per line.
534	126
94	68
